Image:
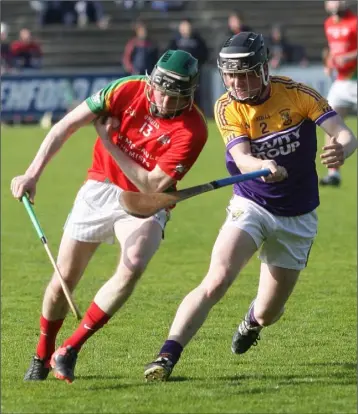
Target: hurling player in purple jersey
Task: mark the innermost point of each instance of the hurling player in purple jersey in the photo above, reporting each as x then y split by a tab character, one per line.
265	122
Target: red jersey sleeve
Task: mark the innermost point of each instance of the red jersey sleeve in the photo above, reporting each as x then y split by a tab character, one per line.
184	150
115	95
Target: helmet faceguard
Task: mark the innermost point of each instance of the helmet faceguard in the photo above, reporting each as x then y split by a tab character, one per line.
243	66
172	84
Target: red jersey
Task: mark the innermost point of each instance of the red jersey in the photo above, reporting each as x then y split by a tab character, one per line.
26	55
342	38
172	144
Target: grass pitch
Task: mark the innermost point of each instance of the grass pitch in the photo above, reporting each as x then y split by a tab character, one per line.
304	364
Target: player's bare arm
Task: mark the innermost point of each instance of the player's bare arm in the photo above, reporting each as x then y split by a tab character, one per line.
146	181
327	61
342	145
246	162
345	58
53	141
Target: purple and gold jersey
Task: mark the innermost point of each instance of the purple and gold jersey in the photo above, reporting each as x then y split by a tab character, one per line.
283	129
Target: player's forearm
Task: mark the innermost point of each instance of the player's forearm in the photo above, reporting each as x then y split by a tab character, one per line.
138	175
59	133
349	142
344	58
350	55
248	163
50	145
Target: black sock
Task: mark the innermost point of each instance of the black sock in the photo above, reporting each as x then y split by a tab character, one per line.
171	350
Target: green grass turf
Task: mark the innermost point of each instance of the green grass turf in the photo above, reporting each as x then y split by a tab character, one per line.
304	364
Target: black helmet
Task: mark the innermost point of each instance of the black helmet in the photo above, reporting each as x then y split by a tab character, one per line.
244	54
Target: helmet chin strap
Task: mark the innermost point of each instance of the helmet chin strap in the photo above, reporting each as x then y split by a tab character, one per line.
253	99
155	112
264	76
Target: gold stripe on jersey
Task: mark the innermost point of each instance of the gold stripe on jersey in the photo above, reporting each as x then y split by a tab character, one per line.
282	79
288	81
290	84
220	107
307	90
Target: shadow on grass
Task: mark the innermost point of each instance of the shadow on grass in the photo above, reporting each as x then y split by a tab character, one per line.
124	385
329	376
344	365
98	377
181	379
347	376
121	386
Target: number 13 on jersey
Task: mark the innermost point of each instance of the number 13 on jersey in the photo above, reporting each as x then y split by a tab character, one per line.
146	129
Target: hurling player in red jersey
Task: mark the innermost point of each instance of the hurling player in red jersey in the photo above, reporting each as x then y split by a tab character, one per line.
156	135
341	58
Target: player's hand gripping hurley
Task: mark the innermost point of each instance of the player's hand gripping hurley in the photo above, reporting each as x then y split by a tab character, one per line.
41	234
145	205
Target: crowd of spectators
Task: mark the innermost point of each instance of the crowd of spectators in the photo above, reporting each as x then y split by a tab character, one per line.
141	51
69	13
281	50
161	5
82	12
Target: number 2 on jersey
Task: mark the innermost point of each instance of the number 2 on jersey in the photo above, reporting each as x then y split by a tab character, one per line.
263	127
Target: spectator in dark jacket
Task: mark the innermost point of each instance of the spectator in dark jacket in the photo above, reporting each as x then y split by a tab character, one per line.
235	25
278	46
189	40
89	12
57	12
26	51
283	52
140	53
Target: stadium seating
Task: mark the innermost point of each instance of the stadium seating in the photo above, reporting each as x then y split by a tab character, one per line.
93	47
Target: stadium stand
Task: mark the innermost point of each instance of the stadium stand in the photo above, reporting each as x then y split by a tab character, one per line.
91	46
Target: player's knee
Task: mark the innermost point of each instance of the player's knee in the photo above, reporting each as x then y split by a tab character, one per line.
70	273
54	288
133	265
266	317
54	291
216	285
